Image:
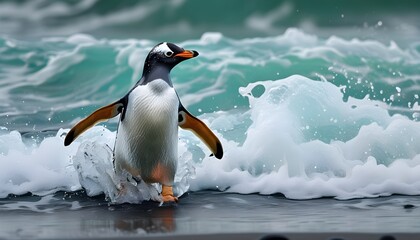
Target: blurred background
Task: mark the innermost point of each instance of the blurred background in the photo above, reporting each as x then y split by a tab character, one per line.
177	20
60	60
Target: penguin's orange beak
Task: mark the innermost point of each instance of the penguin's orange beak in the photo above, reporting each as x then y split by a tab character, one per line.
187	54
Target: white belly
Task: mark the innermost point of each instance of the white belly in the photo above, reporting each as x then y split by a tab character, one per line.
147	138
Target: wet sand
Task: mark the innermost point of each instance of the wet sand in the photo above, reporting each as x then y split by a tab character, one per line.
210	215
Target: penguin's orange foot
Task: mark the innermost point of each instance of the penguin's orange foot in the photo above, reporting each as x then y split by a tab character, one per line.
168	194
169	199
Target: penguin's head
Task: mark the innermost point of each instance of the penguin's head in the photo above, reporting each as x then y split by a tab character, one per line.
168	55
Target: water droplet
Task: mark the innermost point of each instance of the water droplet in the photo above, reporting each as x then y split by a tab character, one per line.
391	98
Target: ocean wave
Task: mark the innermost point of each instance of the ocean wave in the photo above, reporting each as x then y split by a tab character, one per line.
57	80
297	137
346	126
318	146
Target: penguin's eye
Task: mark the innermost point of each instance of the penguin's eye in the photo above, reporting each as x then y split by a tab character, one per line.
169	54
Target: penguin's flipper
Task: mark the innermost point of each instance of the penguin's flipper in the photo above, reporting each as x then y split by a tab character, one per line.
188	121
99	115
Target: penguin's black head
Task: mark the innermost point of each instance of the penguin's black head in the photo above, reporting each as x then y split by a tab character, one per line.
168	55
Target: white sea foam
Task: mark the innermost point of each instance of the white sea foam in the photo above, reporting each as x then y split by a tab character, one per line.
40	169
298	138
265	23
87	163
282	153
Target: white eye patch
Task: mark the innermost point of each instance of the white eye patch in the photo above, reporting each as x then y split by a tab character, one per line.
163	48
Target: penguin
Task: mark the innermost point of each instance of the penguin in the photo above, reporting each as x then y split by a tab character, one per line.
146	143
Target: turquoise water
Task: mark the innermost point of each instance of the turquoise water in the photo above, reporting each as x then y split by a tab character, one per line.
307	103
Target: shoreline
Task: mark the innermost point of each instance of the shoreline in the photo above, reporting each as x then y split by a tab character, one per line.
210	215
271	236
